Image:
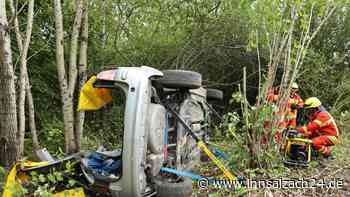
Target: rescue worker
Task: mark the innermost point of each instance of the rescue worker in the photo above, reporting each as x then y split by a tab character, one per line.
287	117
321	129
272	98
294	103
272	95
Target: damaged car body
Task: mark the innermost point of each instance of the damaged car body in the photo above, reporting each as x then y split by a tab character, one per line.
153	137
165	117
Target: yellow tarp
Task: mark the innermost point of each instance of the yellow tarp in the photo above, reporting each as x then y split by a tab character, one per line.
10	182
93	98
79	192
13	181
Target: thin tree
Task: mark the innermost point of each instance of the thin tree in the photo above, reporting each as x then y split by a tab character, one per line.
67	82
24	84
285	30
8	113
79	122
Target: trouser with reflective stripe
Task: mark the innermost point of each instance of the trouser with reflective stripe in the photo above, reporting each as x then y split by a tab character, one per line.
323	144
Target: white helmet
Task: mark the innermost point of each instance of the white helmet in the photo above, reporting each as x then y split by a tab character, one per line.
295	85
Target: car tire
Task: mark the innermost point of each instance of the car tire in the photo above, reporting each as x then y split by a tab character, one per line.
181	79
180	189
215	94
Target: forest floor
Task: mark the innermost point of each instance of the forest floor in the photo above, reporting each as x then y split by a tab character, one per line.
321	178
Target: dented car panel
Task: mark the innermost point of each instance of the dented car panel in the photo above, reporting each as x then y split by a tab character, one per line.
136	83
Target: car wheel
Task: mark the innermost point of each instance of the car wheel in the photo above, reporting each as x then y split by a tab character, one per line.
214	94
170	189
181	79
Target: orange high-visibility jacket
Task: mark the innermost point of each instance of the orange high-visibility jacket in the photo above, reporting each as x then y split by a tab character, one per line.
272	95
295	99
322	123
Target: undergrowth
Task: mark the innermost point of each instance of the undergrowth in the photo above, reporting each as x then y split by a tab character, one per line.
330	172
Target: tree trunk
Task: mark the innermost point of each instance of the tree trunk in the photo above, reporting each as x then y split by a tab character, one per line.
28	91
31	112
73	71
67	103
23	78
67	87
79	122
19	38
8	115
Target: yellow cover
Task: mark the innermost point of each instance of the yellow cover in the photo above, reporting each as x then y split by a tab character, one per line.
93	98
78	192
10	182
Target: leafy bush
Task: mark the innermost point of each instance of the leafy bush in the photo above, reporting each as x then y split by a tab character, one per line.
52	136
2	177
105	126
44	184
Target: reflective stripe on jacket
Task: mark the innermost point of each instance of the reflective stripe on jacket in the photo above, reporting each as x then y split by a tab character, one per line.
322	123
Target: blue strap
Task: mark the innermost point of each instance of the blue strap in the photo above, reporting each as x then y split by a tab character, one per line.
219	153
182	173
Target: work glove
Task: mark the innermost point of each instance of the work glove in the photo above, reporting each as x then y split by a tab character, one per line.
300	130
300	135
294	106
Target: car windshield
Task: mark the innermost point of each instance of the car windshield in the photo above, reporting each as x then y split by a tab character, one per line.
104	127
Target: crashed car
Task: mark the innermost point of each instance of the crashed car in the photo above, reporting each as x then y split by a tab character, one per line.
153	135
165	115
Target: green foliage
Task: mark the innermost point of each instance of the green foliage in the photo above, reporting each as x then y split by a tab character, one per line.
52	136
2	177
47	183
333	80
283	31
17	190
105	126
163	34
2	173
247	130
216	38
230	123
